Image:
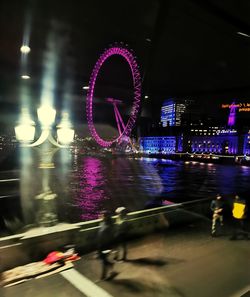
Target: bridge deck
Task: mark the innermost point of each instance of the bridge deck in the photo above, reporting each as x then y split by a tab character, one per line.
181	262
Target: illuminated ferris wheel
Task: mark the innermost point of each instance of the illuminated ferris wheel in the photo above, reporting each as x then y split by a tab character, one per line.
123	128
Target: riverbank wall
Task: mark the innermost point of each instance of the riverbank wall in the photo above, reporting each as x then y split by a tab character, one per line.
202	158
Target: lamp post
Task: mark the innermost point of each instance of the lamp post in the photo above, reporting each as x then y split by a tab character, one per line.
25	133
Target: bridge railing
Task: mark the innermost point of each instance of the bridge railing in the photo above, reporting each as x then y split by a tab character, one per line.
35	244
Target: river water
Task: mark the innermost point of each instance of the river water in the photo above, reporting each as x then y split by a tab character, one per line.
88	184
106	183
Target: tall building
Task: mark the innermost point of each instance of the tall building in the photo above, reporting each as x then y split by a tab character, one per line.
168	113
172	111
232	115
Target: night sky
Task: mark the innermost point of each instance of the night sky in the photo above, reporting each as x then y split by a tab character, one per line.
186	49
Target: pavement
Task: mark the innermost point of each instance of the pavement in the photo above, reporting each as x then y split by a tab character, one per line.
182	261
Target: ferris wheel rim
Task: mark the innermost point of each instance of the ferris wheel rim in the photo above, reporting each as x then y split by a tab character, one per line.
129	57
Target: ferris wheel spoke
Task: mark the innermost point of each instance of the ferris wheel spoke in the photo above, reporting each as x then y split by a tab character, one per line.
119	117
117	120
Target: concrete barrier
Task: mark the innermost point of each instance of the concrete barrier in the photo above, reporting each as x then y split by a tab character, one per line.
35	244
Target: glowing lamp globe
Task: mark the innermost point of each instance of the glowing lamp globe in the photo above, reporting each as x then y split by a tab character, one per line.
25	132
46	115
65	135
25	49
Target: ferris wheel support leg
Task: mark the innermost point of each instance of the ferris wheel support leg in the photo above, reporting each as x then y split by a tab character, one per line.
123	126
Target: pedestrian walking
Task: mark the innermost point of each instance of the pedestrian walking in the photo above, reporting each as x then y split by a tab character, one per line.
105	240
122	228
217	209
239	213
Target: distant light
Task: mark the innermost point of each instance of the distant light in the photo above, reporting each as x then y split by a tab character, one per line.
25	77
244	167
243	34
25	49
146	97
85	87
148	39
215	157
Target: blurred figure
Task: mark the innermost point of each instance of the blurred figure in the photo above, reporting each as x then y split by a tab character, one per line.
13	225
121	233
239	213
105	242
217	209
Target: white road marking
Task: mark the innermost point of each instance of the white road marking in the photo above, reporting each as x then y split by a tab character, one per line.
242	292
83	284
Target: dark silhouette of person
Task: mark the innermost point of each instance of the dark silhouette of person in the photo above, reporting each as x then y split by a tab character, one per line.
122	228
105	240
217	209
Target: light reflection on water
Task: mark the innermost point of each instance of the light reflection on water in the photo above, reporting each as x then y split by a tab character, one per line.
101	183
106	183
91	193
94	183
200	180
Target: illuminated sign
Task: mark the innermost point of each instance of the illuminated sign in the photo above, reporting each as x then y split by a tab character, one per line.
242	107
226	131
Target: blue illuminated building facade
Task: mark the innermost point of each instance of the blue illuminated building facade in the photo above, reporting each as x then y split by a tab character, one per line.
163	145
171	112
246	146
219	144
195	137
214	140
168	113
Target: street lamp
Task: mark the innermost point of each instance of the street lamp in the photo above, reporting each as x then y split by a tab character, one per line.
25	133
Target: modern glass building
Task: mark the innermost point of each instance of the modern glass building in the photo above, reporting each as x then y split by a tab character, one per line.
168	113
171	112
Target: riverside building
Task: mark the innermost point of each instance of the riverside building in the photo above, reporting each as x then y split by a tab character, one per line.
196	137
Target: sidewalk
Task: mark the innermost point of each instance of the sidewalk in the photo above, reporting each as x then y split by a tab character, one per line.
181	262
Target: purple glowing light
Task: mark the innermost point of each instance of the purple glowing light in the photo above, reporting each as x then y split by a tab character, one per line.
232	115
91	195
125	129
